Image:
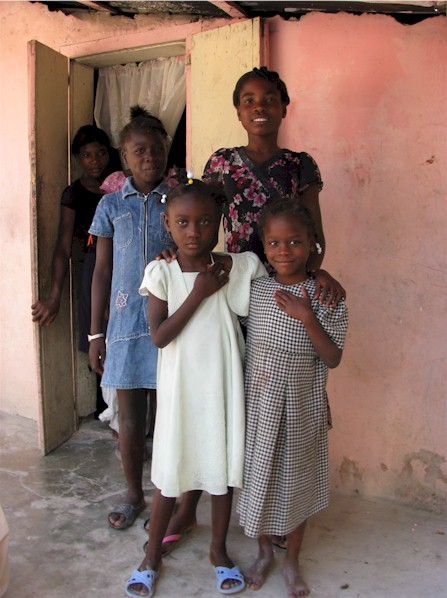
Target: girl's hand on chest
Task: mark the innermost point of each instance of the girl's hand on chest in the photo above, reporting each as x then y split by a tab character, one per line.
299	308
211	280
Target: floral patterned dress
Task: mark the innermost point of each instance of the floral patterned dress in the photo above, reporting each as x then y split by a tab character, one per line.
249	187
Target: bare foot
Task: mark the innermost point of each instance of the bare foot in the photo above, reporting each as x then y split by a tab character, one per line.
295	584
279	541
258	571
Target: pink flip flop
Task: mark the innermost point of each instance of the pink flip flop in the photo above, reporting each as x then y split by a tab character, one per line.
170	542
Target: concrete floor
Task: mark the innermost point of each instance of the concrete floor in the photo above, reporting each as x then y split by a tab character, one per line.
61	545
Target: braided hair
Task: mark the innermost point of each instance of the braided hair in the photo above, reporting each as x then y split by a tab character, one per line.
141	121
186	185
261	73
293	209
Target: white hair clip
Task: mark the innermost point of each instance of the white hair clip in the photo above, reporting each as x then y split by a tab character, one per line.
189	176
318	248
163	198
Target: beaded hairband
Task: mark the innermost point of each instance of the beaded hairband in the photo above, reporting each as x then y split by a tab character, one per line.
190	180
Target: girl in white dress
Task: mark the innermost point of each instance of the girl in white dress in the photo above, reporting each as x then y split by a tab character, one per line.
199	435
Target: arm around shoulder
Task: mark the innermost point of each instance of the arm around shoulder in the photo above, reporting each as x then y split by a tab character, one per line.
328	289
311	199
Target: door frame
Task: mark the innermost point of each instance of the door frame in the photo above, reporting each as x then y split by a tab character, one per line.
58	385
61	100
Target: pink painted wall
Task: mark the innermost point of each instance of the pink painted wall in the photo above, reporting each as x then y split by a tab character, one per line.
369	102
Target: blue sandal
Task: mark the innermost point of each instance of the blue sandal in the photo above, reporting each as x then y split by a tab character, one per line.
226	573
129	513
146	577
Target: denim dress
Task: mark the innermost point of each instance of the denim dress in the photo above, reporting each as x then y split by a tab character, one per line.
135	223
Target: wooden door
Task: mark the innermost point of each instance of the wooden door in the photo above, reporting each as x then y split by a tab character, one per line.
49	139
218	58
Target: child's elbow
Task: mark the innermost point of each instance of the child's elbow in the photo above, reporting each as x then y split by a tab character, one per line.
334	360
158	340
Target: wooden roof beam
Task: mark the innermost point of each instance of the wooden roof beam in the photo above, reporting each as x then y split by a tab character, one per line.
230	9
104	7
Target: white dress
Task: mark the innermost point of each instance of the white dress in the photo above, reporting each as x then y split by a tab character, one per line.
200	424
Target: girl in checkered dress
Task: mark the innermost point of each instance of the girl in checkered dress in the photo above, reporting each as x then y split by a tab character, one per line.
292	340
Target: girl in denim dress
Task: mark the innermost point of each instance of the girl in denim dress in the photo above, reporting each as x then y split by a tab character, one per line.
130	232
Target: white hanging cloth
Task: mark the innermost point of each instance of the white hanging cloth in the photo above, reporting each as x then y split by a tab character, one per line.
158	85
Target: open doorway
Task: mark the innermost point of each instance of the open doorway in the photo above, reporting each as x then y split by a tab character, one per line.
219	53
159	86
66	386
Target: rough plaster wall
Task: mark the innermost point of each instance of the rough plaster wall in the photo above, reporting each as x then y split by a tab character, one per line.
369	103
16	347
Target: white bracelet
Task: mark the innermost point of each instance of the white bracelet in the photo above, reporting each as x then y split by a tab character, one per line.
92	337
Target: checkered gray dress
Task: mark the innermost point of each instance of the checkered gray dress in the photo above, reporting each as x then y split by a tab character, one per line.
286	460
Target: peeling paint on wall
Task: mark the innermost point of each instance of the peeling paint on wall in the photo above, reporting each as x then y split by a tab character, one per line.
350	476
422	481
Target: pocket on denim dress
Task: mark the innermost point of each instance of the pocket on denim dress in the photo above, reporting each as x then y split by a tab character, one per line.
123	233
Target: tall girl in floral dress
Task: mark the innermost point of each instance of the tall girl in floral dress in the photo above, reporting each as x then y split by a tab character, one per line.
261	171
